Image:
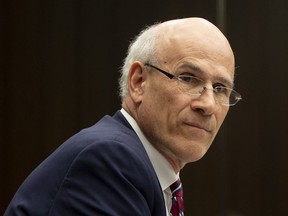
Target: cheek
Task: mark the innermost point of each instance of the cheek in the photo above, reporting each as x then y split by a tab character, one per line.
222	115
160	100
161	104
158	113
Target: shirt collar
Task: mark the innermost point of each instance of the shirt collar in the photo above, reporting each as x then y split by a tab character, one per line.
162	167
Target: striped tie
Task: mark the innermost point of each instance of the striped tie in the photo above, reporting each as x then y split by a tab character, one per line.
177	199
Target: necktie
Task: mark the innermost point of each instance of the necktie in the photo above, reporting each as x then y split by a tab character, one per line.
177	199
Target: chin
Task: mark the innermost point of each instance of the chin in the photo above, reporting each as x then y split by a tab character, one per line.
195	153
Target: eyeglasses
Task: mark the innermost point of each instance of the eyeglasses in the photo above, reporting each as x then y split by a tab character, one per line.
194	86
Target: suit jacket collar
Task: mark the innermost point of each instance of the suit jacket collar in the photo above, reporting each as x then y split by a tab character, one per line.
119	117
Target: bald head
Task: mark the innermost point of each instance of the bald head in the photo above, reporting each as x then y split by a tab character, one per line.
157	44
193	34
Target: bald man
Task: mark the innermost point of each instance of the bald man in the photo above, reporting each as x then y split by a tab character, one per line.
176	87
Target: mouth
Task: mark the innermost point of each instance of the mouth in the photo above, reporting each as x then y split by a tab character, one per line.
199	126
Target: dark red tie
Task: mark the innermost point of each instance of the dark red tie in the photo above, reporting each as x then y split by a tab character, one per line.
177	199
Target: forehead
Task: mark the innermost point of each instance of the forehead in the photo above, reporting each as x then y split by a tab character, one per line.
204	51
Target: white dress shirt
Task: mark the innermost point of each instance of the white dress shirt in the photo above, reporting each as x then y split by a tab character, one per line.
162	167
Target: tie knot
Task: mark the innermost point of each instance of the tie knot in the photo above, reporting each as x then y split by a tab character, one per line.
176	188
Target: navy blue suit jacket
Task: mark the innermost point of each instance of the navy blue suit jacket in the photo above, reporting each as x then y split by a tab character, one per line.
102	170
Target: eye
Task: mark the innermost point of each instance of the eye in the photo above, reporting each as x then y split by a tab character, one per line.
192	80
222	90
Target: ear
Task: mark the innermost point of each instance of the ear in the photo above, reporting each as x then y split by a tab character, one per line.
136	81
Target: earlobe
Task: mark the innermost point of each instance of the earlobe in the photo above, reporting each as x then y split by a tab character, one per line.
136	81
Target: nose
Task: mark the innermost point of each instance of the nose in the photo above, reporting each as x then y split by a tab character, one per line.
205	102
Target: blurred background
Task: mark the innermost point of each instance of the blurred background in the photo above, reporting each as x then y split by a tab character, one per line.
59	71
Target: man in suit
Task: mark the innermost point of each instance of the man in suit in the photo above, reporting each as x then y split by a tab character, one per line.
176	87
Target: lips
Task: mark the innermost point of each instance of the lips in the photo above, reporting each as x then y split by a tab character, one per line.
200	126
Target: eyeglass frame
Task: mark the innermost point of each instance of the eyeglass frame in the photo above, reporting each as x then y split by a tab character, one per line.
236	95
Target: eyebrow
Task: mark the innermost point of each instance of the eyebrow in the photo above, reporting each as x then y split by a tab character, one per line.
192	67
197	69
